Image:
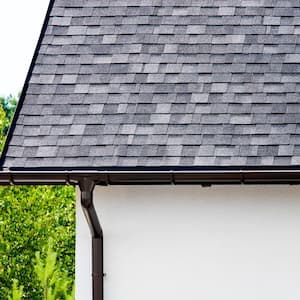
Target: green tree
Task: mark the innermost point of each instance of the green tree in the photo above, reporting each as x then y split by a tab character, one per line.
7	110
55	284
4	124
29	216
17	291
9	105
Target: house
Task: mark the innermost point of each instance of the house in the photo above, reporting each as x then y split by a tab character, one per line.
181	119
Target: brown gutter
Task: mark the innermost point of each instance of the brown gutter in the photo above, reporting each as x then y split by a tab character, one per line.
88	180
206	177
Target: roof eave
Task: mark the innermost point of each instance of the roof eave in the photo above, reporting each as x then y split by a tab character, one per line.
151	177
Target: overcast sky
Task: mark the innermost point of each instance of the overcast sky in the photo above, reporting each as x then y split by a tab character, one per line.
20	25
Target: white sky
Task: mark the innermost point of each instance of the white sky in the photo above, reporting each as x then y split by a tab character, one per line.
20	25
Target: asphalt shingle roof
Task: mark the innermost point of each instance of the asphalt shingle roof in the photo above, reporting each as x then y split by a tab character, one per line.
163	83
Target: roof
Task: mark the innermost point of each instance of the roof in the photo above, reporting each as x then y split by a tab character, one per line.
127	83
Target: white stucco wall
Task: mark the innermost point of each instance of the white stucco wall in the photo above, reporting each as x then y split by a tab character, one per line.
189	242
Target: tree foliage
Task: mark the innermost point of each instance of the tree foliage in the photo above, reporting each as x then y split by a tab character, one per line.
17	291
55	284
7	109
9	105
29	217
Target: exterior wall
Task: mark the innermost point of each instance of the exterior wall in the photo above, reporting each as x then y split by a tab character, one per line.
83	268
189	242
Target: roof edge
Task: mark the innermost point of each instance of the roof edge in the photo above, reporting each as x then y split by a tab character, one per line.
118	177
25	86
152	168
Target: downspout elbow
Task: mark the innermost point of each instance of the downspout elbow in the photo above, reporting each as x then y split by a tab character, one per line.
87	187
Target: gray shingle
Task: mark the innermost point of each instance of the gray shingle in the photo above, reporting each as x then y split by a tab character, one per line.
153	83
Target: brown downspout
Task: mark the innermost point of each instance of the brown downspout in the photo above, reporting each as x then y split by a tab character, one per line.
87	186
